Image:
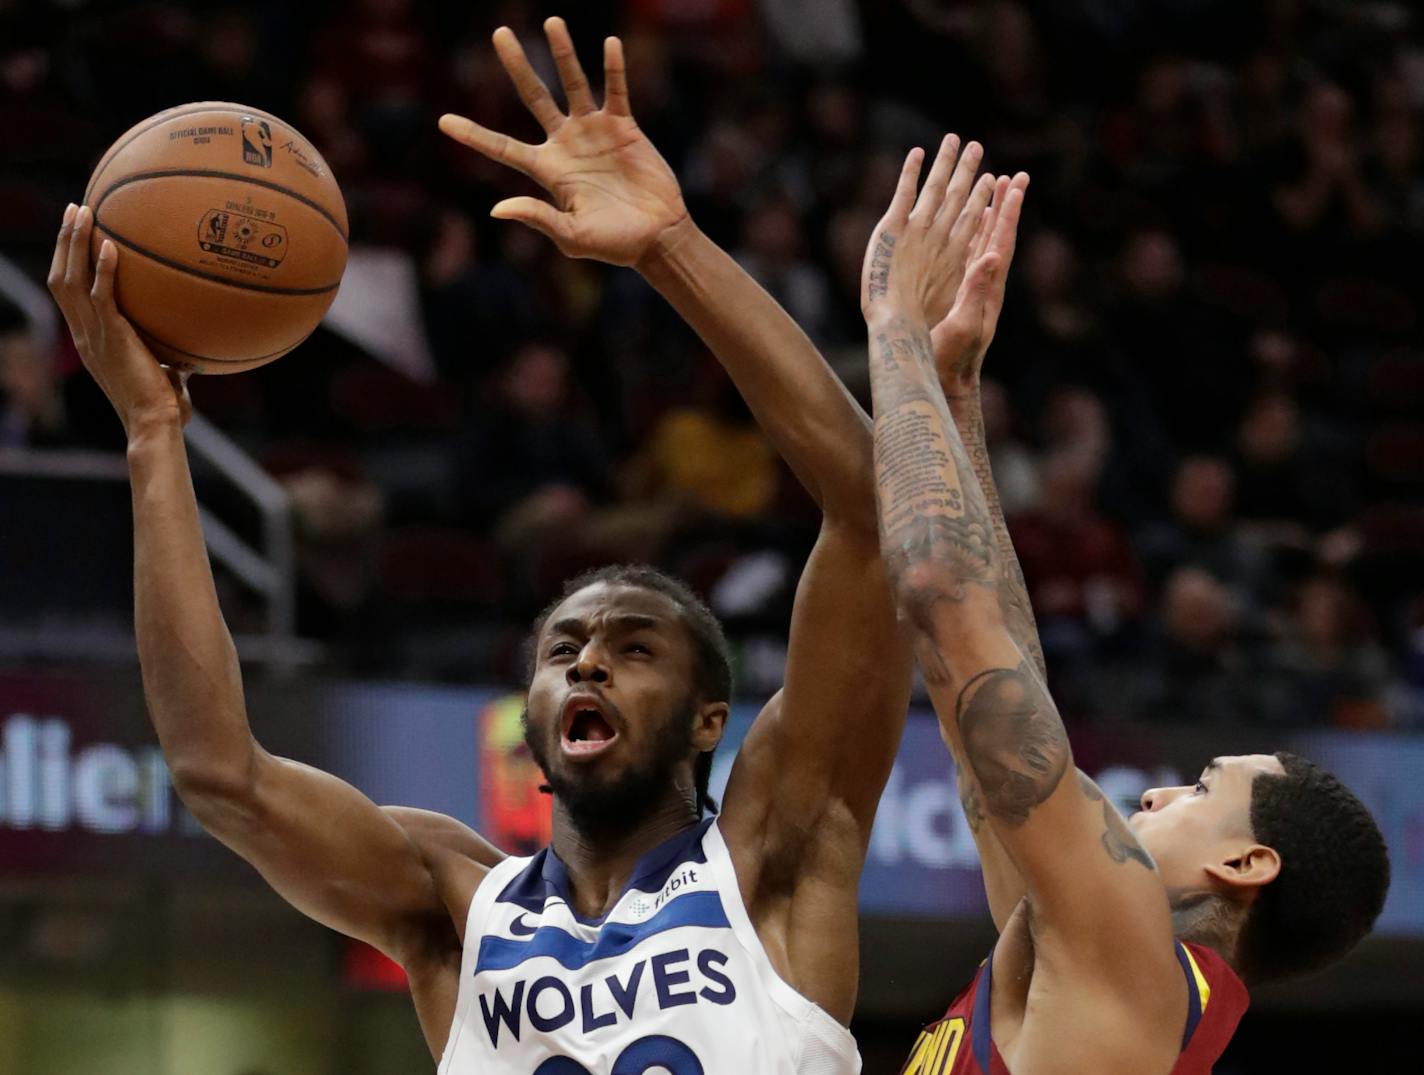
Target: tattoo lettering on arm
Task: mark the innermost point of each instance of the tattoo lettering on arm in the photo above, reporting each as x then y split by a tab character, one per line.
1118	840
880	260
926	519
1014	740
925	516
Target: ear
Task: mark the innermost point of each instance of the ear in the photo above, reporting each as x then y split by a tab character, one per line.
708	725
1250	867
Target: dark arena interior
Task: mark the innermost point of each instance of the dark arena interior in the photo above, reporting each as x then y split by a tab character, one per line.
1202	405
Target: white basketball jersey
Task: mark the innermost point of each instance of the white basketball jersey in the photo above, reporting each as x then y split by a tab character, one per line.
672	980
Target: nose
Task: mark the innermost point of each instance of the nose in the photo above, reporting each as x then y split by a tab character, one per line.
1156	798
589	668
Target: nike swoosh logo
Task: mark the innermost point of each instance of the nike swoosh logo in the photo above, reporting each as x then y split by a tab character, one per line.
520	928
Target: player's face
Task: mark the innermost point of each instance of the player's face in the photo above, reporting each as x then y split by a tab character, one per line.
612	716
1191	828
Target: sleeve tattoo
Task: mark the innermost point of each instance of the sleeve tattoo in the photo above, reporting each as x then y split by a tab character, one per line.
938	536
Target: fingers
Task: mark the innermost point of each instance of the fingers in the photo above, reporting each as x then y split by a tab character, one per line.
575	82
58	263
961	186
541	216
77	274
904	198
989	215
527	83
102	291
1006	225
497	147
981	278
615	79
932	196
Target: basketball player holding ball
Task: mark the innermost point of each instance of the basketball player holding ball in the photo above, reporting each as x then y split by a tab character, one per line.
1125	946
648	936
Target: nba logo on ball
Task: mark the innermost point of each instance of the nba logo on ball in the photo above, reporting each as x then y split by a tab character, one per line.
256	142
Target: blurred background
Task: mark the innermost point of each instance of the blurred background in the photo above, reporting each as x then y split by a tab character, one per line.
1204	422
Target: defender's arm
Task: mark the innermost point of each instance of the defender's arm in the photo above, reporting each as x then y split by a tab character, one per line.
967	306
1095	894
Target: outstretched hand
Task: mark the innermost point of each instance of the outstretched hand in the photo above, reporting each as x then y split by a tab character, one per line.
614	197
906	272
977	257
141	390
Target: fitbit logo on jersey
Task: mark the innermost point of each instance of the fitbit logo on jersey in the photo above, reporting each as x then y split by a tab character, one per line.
102	788
549	1004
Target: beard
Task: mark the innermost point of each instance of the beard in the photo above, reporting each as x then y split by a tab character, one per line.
606	808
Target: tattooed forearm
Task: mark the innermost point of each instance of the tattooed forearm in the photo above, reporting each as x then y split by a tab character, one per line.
1013	590
931	510
1013	739
1118	840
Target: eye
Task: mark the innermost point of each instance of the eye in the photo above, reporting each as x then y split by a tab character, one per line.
638	647
1201	788
562	649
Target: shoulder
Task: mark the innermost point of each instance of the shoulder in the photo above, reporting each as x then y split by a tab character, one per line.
458	859
439	834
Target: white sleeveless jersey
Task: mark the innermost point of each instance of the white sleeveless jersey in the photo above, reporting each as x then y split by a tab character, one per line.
672	980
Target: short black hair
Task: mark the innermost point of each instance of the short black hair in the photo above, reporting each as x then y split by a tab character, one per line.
712	653
1334	872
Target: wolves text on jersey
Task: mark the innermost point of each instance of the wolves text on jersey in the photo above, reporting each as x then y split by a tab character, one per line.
668	979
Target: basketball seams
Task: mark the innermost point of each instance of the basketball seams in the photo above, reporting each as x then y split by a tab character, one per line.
212	277
245	363
175	113
212	173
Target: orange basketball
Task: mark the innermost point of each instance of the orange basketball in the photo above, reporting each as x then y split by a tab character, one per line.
232	234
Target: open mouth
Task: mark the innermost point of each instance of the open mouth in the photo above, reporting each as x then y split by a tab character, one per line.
586	729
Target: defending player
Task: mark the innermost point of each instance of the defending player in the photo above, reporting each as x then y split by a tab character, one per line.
1123	947
645	937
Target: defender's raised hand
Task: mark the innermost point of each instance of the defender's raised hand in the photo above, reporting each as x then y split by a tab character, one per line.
900	274
978	255
140	390
614	195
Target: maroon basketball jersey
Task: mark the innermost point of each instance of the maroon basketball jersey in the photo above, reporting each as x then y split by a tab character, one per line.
960	1043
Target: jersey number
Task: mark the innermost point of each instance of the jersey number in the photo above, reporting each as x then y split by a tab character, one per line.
654	1051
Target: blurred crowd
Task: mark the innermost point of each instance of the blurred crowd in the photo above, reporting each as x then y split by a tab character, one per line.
1204	394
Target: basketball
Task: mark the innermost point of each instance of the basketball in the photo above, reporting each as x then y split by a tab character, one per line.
232	234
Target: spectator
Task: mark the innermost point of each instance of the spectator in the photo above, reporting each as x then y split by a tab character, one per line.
1201	531
32	409
1291	478
531	463
1084	582
772	251
1330	669
709	454
1197	669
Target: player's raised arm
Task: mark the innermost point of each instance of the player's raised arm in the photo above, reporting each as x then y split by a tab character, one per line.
964	310
319	842
1097	901
802	797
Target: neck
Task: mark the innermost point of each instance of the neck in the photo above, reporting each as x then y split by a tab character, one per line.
600	859
1207	918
